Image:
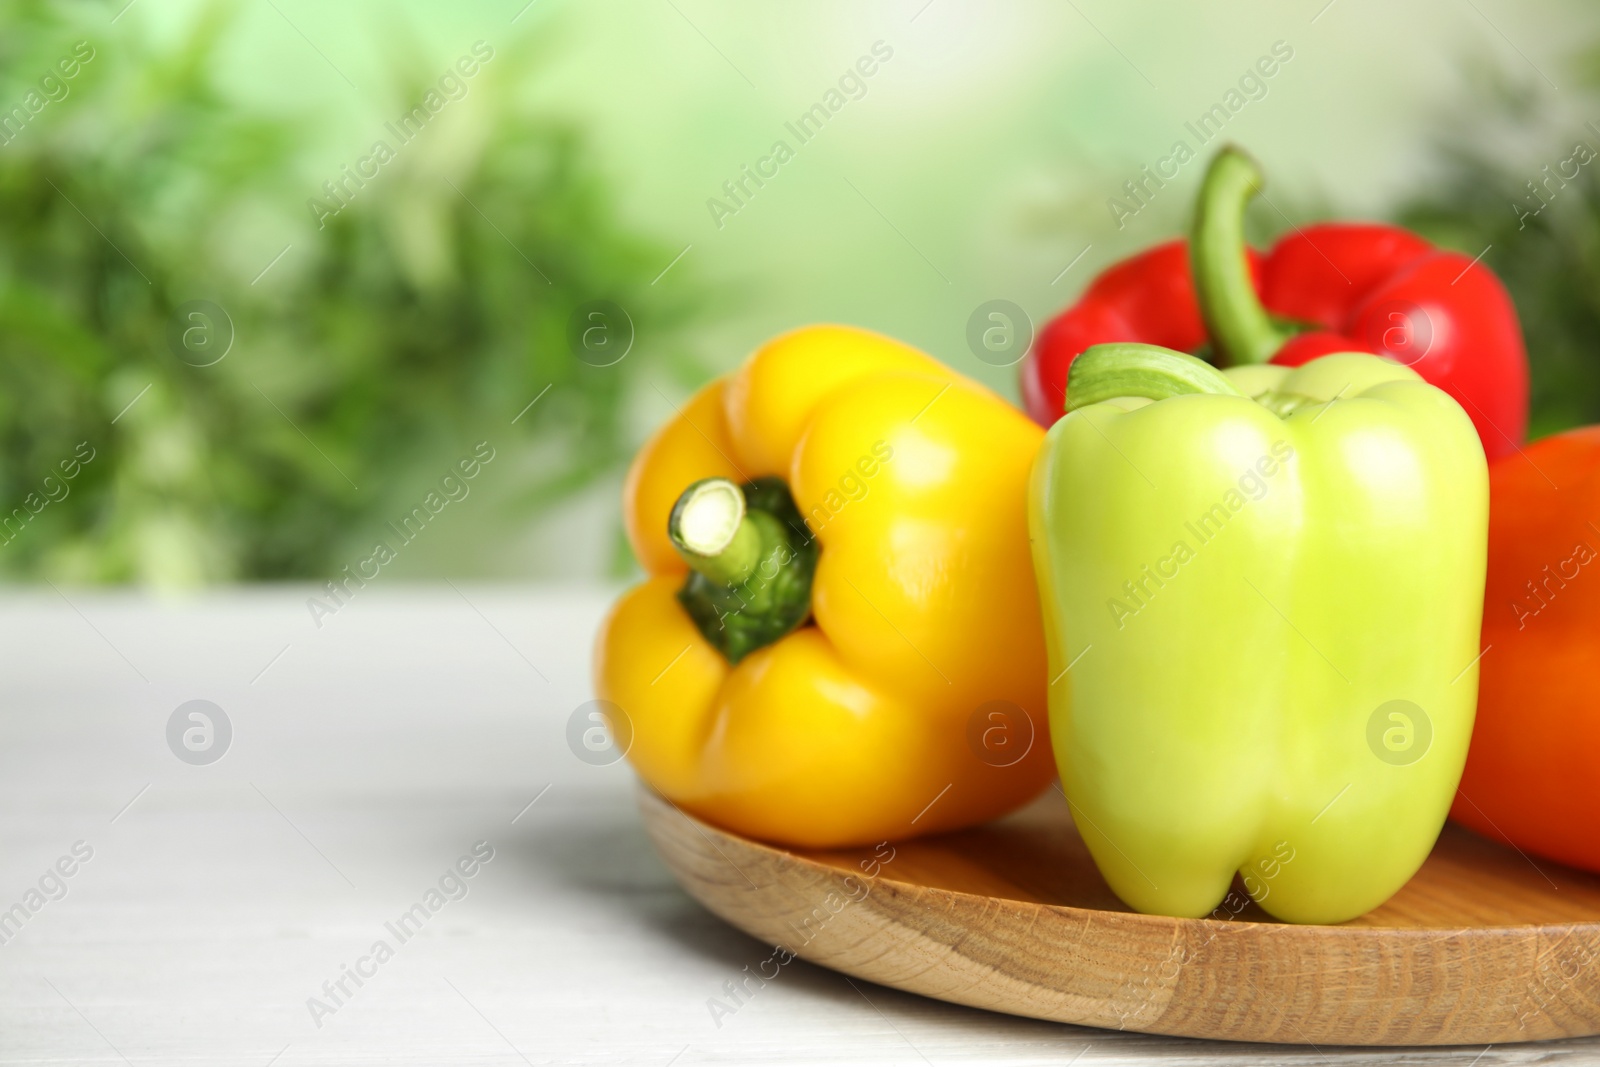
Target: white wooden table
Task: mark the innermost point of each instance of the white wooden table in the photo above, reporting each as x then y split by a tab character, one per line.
366	758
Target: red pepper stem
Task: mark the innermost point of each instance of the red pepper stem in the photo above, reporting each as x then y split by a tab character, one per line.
1104	372
1241	330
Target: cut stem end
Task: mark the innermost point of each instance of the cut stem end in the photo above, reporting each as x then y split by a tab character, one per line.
709	530
752	559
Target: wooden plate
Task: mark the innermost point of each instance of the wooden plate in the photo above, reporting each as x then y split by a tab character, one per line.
1484	944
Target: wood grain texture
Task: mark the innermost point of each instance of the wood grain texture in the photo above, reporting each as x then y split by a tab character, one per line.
1483	945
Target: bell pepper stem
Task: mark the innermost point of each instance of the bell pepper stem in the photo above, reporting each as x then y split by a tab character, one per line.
712	533
1150	371
1241	330
752	559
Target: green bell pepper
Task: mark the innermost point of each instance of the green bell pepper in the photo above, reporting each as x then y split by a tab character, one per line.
1262	590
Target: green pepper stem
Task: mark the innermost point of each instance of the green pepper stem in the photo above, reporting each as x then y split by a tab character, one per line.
1150	371
1240	328
712	533
752	557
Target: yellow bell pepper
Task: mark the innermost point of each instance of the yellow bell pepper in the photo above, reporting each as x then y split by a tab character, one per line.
896	690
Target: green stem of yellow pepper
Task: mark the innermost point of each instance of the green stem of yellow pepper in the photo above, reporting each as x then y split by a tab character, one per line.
1241	330
752	558
1128	369
713	534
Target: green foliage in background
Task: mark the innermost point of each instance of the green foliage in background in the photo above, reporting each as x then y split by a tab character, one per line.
422	319
1543	241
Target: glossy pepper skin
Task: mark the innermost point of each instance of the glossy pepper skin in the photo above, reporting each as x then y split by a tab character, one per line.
854	728
1240	574
1533	774
1331	287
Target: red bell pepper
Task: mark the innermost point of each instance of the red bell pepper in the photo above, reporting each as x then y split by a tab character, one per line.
1331	287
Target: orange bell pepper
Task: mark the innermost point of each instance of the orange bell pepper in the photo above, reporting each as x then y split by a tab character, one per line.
1533	771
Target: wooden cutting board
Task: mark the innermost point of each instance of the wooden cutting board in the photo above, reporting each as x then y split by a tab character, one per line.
1483	945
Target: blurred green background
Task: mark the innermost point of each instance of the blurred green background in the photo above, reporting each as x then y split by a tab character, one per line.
264	384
